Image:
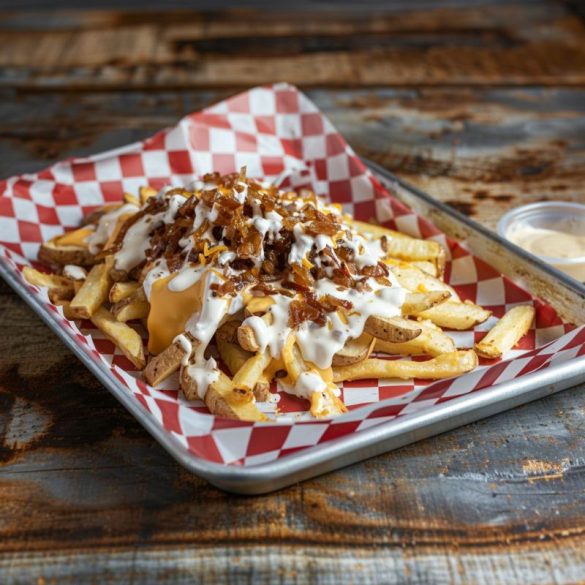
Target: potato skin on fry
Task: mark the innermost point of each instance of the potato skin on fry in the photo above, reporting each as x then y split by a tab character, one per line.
456	315
355	350
53	254
160	367
393	329
221	399
432	341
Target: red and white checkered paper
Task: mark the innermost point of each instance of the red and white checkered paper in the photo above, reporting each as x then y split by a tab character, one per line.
269	130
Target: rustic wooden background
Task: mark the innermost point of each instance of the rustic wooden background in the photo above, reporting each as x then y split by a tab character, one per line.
480	103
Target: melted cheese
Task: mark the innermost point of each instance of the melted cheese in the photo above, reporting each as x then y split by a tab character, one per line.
169	312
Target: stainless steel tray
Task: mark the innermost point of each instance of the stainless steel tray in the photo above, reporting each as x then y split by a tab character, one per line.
564	294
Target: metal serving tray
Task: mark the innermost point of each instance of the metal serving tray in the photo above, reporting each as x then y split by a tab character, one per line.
565	294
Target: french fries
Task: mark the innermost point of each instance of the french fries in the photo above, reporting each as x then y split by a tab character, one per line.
445	365
355	350
161	366
454	315
282	286
432	341
128	340
507	332
416	303
394	329
251	370
416	280
134	307
93	293
221	399
63	287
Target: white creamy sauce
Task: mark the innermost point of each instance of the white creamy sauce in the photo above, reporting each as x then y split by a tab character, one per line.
272	336
226	257
158	271
203	373
186	278
106	225
307	383
318	344
241	192
136	240
187	347
74	272
553	243
302	245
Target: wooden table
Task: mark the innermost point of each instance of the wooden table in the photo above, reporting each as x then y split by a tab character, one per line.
483	106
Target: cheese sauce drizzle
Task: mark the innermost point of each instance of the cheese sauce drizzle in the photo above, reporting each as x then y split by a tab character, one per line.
280	244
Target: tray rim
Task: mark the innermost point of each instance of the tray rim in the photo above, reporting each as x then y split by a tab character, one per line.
354	447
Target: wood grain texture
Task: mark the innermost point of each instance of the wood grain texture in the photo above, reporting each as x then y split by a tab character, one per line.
422	45
88	497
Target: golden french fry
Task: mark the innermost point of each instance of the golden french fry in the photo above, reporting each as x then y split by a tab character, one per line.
93	292
443	366
128	340
76	237
251	371
416	303
161	366
355	350
456	315
258	305
64	304
145	193
325	403
232	355
61	254
507	332
413	249
427	267
131	309
377	231
122	290
57	295
221	399
129	198
415	280
228	332
395	329
64	286
432	341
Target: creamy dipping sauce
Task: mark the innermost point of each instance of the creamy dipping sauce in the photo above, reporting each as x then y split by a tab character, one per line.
548	242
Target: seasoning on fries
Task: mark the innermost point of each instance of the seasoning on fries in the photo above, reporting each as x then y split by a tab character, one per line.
284	285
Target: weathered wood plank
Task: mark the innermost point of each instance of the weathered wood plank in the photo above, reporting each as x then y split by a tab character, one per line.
88	496
454	44
482	151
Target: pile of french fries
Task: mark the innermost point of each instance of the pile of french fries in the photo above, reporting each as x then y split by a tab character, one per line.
89	286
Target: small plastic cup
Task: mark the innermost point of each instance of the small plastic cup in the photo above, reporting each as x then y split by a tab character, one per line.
553	215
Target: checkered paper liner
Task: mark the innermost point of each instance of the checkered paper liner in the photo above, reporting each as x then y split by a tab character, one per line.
275	132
